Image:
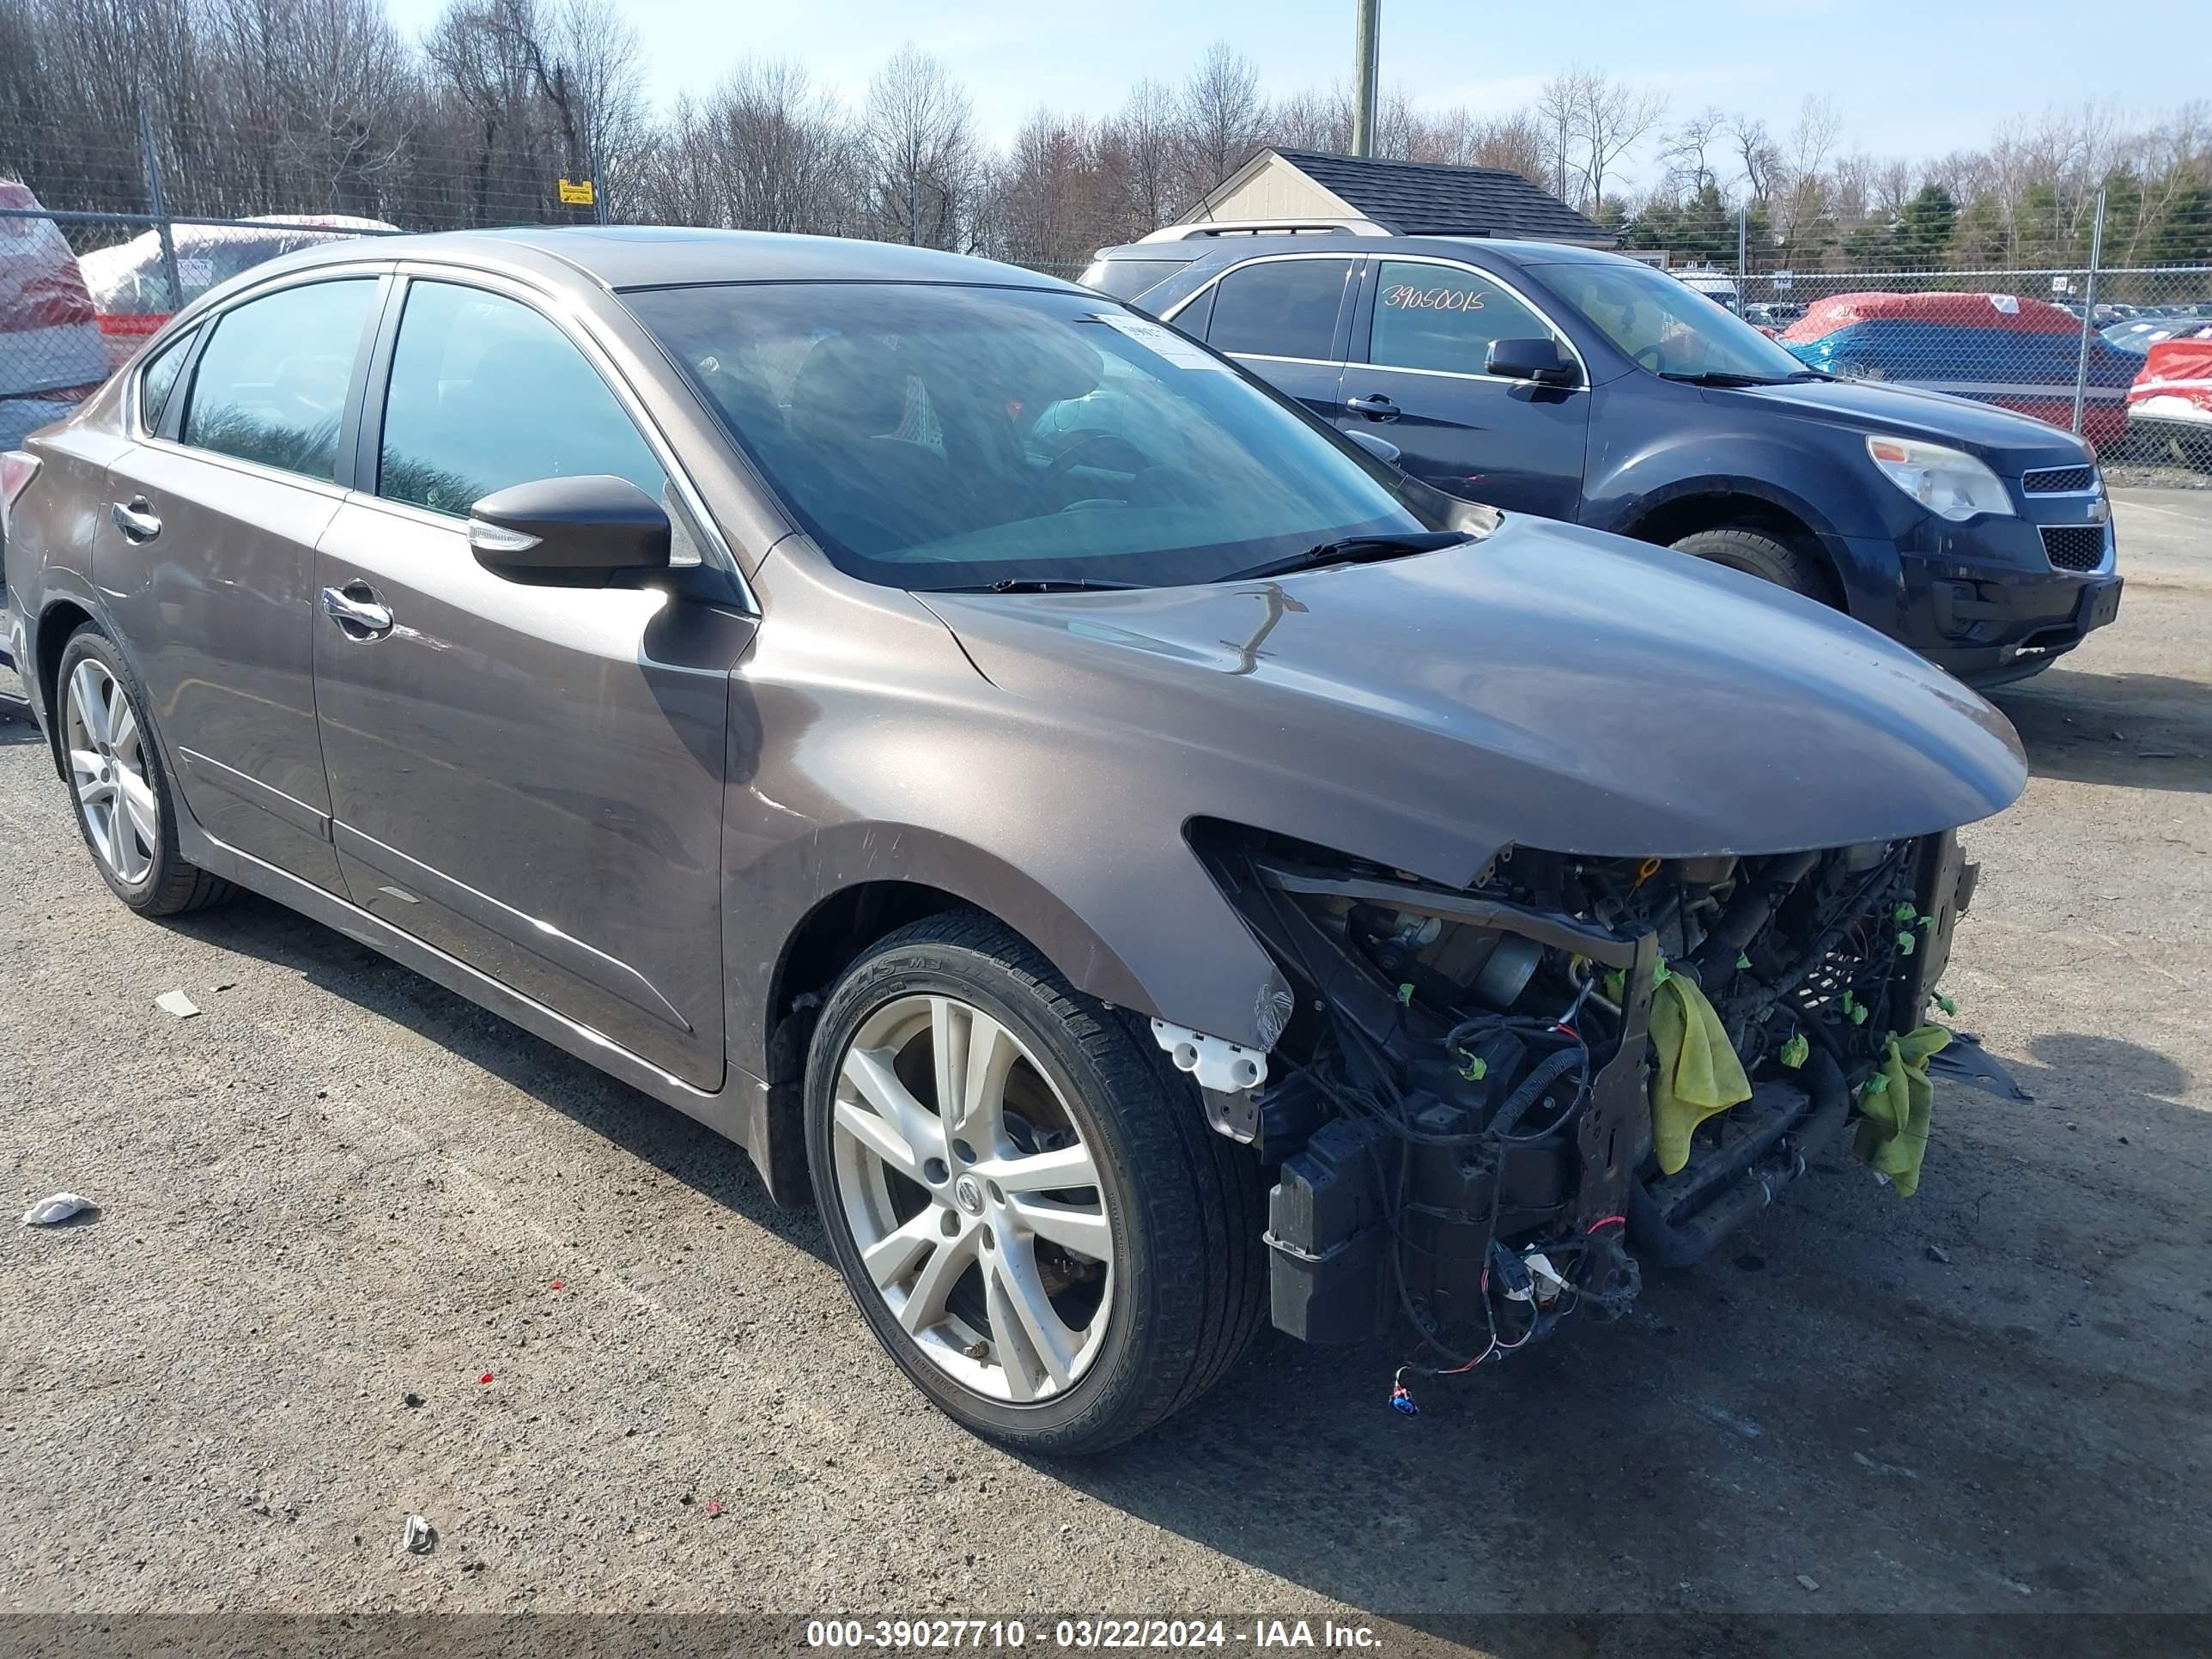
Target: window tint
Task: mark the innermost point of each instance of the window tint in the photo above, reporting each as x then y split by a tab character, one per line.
485	393
270	387
159	378
1444	317
1280	308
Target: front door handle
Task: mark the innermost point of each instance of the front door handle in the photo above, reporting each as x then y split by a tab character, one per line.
136	520
1376	408
358	613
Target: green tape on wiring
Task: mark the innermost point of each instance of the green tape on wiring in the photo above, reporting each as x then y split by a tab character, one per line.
1476	1068
1906	944
1794	1051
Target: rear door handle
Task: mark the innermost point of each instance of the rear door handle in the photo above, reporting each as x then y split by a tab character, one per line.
136	520
1376	408
358	613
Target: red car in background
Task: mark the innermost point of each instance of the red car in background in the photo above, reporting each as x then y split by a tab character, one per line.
2170	405
50	351
130	283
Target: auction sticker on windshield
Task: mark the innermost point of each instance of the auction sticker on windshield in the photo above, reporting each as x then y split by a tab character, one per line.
1161	340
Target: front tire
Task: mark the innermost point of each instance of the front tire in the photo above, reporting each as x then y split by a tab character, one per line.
125	809
1063	1255
1758	553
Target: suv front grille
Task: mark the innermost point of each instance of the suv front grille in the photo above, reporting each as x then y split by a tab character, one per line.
2058	480
2073	546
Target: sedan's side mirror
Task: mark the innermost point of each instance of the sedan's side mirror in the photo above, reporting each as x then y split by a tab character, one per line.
1381	448
1538	360
570	531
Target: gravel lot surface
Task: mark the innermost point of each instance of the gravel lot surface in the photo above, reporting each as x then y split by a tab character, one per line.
320	1294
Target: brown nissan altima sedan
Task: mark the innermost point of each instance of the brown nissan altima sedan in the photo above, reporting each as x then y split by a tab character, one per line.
1138	861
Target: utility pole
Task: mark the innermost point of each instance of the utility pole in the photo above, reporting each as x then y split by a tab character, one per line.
1362	81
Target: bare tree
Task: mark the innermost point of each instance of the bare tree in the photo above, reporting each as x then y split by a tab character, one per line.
1146	142
1691	152
918	133
1757	158
1558	105
1223	117
1610	121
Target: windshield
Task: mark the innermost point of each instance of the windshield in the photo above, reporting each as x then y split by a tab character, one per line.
932	437
1666	326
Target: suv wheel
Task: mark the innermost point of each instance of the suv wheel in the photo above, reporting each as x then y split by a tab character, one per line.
1758	553
1030	1210
124	804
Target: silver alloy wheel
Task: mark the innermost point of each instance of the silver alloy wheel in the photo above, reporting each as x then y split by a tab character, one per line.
972	1198
107	762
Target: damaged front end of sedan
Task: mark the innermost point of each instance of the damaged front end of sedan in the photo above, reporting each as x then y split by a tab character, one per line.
1459	1111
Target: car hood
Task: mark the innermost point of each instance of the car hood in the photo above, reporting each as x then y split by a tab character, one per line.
2009	443
1548	685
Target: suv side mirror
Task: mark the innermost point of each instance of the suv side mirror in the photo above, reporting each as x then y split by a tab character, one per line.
568	531
1538	360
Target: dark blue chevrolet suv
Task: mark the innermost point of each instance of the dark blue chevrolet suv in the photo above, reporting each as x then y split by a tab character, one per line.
1590	387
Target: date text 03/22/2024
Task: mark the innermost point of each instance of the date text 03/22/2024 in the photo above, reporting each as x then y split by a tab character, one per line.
1086	1635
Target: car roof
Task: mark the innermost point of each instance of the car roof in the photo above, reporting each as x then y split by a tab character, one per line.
1230	249
654	256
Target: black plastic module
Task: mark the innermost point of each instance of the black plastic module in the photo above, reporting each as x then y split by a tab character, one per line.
1327	1239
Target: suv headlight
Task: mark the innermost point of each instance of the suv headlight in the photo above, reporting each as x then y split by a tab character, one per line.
1948	482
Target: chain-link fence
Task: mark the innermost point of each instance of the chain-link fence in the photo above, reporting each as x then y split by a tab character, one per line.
102	238
2111	338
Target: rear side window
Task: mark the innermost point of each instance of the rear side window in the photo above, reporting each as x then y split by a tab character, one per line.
1279	308
1125	279
159	378
271	385
1444	317
485	393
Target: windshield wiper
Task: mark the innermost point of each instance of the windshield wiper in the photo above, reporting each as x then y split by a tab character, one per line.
1045	585
1727	376
1352	549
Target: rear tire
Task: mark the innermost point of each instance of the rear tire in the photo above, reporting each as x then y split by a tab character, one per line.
1179	1209
1758	553
109	754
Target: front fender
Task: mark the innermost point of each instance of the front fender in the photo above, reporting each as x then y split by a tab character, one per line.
1121	957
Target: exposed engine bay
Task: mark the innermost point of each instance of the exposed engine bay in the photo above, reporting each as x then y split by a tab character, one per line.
1459	1108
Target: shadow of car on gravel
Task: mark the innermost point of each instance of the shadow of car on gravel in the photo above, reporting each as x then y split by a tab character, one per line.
637	1124
2138	730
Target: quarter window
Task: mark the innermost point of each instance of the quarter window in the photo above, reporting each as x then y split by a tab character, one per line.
159	379
271	385
1444	317
485	393
1279	308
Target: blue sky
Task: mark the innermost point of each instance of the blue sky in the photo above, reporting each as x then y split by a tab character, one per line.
1908	79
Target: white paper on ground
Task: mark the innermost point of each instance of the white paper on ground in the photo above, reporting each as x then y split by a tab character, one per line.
177	1003
58	1207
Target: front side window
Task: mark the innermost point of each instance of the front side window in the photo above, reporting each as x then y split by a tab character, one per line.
271	385
1666	326
159	378
1279	308
932	437
1444	317
484	393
